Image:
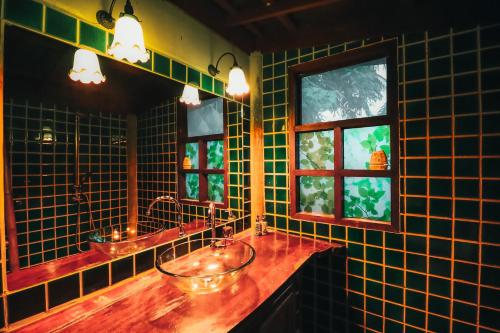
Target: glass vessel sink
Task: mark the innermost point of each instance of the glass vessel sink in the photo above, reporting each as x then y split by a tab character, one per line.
119	240
205	269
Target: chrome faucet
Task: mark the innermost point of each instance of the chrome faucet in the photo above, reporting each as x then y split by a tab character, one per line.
167	198
211	222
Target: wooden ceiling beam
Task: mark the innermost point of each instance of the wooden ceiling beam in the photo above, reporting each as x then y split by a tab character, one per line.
419	17
199	10
225	5
275	10
287	23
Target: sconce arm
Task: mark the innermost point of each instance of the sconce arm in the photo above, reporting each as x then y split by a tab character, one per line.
214	70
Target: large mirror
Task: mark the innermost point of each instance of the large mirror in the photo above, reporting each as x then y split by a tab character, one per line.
95	171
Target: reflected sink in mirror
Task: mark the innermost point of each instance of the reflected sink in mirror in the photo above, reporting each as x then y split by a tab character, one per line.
205	269
121	240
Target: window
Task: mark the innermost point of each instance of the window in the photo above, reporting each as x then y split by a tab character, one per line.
344	149
202	158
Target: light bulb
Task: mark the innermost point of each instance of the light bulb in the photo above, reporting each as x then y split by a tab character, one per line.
190	95
237	85
128	42
86	67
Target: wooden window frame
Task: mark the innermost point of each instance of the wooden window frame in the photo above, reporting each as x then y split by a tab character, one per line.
202	171
387	50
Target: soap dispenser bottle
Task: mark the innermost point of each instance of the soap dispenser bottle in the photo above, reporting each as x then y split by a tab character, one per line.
258	226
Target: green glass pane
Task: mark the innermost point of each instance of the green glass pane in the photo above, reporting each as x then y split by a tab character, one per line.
192	186
215	154
368	198
316	150
192	153
345	93
215	188
361	143
316	194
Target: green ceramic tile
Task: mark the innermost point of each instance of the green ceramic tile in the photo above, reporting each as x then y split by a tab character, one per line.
464	42
439	47
60	25
178	71
161	64
27	13
92	36
218	87
193	77
207	82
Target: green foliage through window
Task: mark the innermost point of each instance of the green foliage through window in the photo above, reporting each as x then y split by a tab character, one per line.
192	152
215	154
316	150
368	198
345	93
192	186
216	188
316	194
360	143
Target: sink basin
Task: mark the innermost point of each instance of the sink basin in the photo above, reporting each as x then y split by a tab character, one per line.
205	269
121	240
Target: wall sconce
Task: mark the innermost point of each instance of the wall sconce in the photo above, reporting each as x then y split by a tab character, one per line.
190	95
237	84
128	42
86	68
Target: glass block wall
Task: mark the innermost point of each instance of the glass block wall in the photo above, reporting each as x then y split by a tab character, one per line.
41	149
442	273
157	161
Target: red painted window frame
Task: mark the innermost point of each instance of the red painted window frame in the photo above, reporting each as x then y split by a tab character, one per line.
388	50
202	172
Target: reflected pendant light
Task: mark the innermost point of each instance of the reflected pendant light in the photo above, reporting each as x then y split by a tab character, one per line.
86	67
190	95
237	83
128	41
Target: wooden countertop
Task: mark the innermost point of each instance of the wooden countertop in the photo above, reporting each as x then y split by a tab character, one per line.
149	303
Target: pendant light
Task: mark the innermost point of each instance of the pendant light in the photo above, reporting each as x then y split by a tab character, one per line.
86	67
237	84
190	95
128	41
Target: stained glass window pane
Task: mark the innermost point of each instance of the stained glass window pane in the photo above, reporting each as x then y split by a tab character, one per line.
215	188
215	154
206	118
345	93
367	198
367	148
192	152
192	186
316	194
316	150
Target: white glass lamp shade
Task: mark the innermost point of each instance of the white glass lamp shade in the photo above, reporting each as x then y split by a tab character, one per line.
128	42
190	95
86	68
237	85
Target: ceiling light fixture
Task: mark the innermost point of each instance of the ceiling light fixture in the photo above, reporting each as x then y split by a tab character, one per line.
86	67
237	83
190	95
128	41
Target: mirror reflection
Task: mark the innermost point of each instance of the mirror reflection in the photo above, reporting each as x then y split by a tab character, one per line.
98	171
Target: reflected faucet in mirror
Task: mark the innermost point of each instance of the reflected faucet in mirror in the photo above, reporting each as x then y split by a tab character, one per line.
168	198
211	222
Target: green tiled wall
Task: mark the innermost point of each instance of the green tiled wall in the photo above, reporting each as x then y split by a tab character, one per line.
442	273
43	176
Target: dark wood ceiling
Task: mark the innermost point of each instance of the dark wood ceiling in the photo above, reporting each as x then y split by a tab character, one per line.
269	25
